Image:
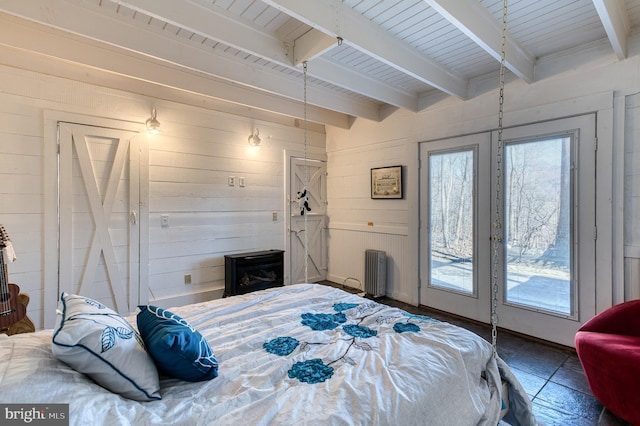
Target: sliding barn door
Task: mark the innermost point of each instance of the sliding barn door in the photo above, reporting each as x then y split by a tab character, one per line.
308	232
99	219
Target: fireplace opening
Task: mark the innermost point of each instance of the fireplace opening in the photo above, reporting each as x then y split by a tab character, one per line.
247	272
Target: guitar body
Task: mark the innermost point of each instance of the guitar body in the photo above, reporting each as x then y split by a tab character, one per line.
25	325
13	305
11	310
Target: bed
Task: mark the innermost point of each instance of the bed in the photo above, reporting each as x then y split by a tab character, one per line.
300	354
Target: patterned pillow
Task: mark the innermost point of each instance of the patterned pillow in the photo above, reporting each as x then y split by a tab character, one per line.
94	340
177	348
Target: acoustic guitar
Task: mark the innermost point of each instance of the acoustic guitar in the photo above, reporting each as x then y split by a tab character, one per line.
13	305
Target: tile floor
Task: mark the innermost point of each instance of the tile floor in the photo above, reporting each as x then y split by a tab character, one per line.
550	374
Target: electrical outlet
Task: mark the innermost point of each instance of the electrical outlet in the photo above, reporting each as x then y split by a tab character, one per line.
164	220
231	180
187	278
274	216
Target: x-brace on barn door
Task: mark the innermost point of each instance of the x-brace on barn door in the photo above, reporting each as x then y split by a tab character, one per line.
99	223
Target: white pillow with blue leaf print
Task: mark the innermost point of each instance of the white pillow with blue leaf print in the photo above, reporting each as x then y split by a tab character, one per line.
96	341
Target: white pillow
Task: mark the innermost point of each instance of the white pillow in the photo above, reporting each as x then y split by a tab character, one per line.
98	342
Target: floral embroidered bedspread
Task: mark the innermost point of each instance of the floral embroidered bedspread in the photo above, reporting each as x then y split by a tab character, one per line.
301	354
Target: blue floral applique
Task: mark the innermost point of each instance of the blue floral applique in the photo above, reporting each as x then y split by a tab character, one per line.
111	333
108	338
341	307
282	346
311	371
321	322
401	327
359	331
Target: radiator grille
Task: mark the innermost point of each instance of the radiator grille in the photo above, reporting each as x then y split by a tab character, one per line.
375	272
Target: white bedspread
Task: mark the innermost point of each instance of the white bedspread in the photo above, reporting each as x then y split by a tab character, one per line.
438	375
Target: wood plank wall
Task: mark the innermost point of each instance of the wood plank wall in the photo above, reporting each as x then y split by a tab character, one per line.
189	165
632	197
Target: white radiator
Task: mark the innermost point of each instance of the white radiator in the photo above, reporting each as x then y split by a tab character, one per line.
375	272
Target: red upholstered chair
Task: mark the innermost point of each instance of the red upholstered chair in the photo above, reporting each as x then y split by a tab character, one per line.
608	346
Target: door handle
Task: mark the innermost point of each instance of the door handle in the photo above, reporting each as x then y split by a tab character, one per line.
134	217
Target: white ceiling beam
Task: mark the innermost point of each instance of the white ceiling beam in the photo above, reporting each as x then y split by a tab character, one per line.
358	32
615	19
363	84
225	28
96	25
311	45
215	24
477	23
70	50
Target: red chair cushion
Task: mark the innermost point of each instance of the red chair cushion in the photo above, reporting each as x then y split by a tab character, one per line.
612	365
623	318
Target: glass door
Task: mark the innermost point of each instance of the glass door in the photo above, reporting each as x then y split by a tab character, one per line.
547	260
454	225
544	188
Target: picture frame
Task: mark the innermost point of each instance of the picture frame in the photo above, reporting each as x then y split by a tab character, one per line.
386	183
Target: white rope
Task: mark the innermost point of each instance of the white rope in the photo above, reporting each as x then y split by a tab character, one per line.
497	224
306	179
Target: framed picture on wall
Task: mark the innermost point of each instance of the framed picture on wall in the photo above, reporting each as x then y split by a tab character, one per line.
386	182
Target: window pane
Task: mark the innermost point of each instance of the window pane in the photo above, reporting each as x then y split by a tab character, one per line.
538	224
451	220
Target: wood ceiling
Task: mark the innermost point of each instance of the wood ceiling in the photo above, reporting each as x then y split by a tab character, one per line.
366	58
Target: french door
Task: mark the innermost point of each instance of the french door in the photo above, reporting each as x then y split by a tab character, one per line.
455	229
522	218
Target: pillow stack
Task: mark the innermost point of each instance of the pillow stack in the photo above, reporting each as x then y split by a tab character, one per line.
97	341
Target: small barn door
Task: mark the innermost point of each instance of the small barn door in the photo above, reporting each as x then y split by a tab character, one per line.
99	219
308	230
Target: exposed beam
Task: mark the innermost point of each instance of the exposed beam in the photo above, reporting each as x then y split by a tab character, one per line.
615	19
223	27
96	25
362	84
311	45
358	32
477	23
87	54
215	24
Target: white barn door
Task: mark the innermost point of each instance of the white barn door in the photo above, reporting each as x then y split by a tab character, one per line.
313	234
99	230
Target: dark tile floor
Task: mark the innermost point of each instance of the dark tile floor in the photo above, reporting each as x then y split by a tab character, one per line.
550	374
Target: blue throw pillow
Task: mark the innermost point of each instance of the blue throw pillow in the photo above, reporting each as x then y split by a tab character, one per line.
177	348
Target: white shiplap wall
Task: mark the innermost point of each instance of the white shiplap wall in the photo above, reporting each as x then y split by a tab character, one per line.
190	162
632	197
358	222
577	83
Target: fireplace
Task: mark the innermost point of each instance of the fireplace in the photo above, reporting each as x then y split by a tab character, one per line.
247	272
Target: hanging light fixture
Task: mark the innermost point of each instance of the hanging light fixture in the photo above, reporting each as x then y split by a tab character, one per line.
255	139
153	125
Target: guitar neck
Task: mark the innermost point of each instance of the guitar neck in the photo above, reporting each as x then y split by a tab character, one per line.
5	244
4	279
